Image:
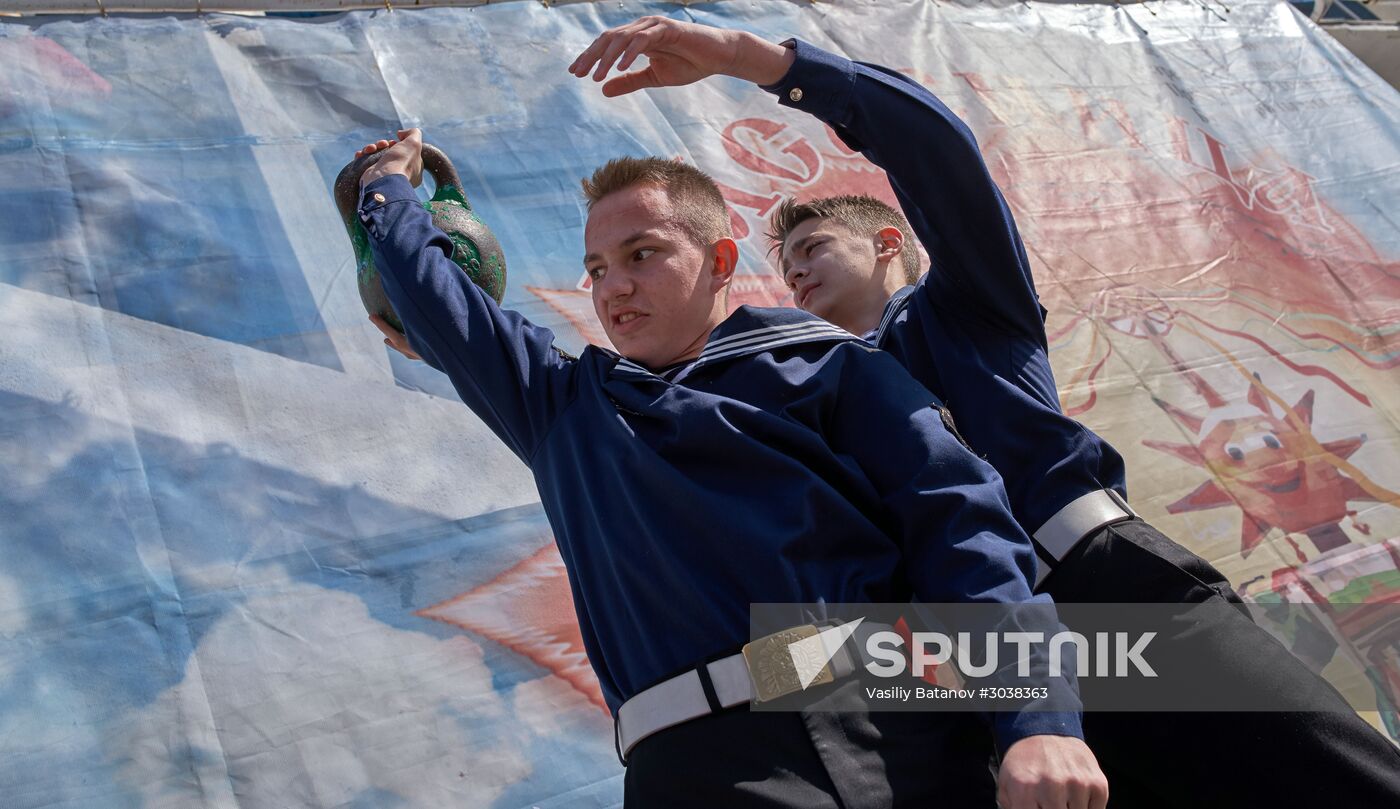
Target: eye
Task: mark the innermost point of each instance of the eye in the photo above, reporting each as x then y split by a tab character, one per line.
1271	441
643	254
595	273
812	246
1235	452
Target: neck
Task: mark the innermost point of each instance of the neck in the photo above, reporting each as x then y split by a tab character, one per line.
867	321
863	317
697	345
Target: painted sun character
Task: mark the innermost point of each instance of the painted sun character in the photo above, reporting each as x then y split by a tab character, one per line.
1267	462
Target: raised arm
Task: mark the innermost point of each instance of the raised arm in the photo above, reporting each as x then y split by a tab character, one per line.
938	174
932	159
505	368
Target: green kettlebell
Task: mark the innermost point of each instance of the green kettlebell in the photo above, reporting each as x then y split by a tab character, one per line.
474	247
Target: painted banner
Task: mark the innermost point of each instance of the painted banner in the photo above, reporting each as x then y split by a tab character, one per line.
252	558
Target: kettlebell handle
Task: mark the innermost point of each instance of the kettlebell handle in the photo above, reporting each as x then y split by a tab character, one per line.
435	163
475	250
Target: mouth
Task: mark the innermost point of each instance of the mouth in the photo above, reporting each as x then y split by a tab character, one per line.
1286	487
627	321
805	294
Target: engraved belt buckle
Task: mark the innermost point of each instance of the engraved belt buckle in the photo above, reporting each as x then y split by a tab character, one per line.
777	668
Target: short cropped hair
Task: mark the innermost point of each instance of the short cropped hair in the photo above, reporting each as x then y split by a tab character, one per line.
864	215
696	200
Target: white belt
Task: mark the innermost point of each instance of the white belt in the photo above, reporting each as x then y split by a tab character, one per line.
682	697
1079	518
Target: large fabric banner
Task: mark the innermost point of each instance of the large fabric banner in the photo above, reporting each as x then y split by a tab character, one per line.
249	557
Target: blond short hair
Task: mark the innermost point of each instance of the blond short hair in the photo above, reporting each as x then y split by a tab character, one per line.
699	207
862	214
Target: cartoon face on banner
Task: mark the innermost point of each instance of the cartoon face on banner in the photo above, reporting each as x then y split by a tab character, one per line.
1263	460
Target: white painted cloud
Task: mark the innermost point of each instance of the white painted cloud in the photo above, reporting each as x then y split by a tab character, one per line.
301	698
549	707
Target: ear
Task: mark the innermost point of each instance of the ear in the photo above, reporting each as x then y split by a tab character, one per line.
890	242
725	255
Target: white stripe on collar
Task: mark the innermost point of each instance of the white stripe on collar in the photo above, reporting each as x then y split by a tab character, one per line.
764	339
805	338
898	301
757	337
625	365
715	345
675	373
753	342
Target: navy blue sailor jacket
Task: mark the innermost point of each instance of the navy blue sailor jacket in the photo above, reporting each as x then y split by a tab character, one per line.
789	463
972	329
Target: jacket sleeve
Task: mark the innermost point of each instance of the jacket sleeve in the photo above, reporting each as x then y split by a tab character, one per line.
947	510
505	368
936	169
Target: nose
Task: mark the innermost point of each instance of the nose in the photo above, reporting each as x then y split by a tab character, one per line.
616	284
794	273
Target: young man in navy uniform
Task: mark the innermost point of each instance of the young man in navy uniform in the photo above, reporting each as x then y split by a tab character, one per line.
668	472
972	332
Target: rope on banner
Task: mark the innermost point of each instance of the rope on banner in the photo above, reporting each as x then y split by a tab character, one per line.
1215	13
1119	5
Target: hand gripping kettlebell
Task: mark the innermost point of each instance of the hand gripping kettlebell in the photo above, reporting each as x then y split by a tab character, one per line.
474	247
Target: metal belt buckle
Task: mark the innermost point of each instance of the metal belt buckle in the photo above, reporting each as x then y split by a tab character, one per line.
777	668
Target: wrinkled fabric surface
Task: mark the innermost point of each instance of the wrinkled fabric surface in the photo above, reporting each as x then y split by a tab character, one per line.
253	558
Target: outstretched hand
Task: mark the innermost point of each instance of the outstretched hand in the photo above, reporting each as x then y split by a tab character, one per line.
678	53
403	156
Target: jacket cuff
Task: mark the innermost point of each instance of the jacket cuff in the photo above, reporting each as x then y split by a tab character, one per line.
818	82
1010	728
377	199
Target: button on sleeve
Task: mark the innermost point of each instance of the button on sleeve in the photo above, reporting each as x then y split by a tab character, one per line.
817	82
378	202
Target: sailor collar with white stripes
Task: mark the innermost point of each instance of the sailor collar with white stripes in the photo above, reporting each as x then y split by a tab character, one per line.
749	330
893	307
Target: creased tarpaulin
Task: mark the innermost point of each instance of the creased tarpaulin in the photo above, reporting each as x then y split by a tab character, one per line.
252	558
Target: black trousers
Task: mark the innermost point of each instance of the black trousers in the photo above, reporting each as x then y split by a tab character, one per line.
816	759
1307	759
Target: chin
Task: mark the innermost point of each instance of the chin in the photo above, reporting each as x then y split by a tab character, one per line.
635	351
